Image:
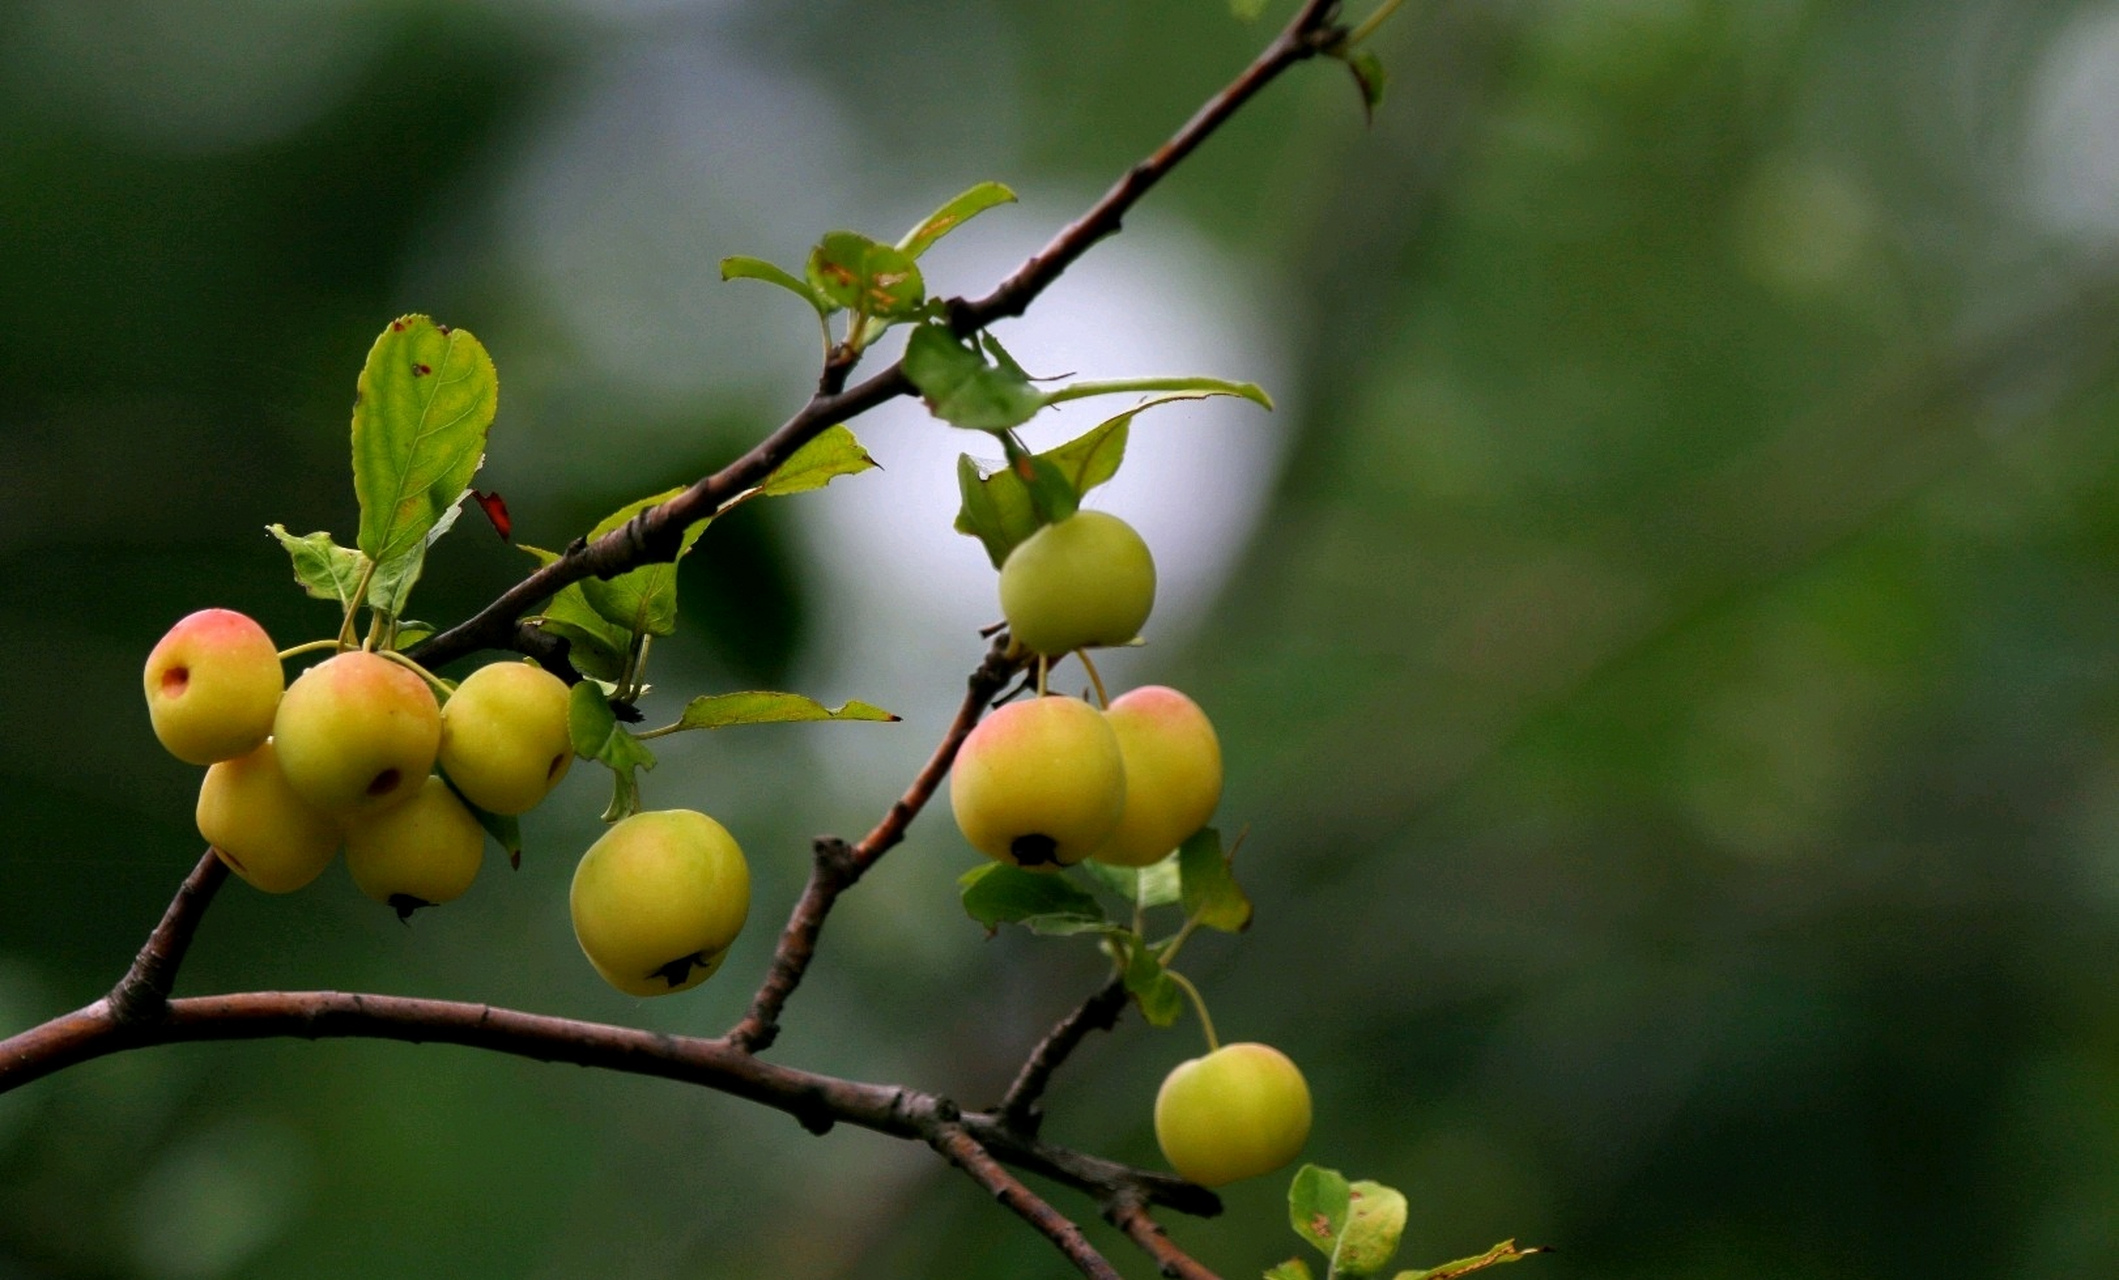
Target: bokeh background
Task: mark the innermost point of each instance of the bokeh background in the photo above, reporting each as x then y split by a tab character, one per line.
1666	643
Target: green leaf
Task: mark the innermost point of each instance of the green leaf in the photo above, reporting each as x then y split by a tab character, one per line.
597	735
1146	887
1506	1251
952	215
1051	496
595	647
720	710
643	599
1093	456
411	633
1190	388
1211	893
1369	78
420	413
1375	1221
961	388
393	580
997	894
832	454
998	509
1000	357
1162	1001
855	273
1292	1269
743	268
323	568
1318	1203
1160	884
983	515
1065	924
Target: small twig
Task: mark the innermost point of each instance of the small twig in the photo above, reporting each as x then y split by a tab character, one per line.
988	680
1019	1108
143	992
831	870
1130	1215
836	867
962	1151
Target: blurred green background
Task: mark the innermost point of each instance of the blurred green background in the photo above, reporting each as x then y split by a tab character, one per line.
1664	644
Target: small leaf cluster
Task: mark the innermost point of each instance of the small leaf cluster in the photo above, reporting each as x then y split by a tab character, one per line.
873	285
1197	879
1357	1225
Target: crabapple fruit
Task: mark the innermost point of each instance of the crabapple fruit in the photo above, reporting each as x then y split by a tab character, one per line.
213	682
418	853
357	733
1240	1111
1040	783
1086	580
258	825
1173	774
658	899
504	741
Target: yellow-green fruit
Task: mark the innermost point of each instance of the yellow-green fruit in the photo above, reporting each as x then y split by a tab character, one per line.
357	734
418	853
504	736
1173	774
658	900
1086	580
213	683
257	824
1039	784
1240	1111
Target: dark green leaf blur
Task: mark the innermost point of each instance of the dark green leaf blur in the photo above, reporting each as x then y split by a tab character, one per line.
1665	643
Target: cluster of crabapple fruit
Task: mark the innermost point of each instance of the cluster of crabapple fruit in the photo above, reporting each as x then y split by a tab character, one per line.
359	754
1050	781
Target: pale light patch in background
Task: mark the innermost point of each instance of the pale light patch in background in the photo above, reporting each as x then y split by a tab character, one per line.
195	76
2074	130
904	593
666	157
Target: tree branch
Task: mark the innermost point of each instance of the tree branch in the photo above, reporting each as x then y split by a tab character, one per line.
962	1151
816	1101
143	992
1019	1108
1130	1215
657	533
835	867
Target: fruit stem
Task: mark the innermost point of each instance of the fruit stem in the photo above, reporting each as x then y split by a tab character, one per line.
1370	24
1043	665
313	646
1103	700
353	605
440	686
1199	1006
629	676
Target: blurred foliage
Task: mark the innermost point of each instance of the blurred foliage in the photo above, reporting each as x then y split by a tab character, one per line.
1671	695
